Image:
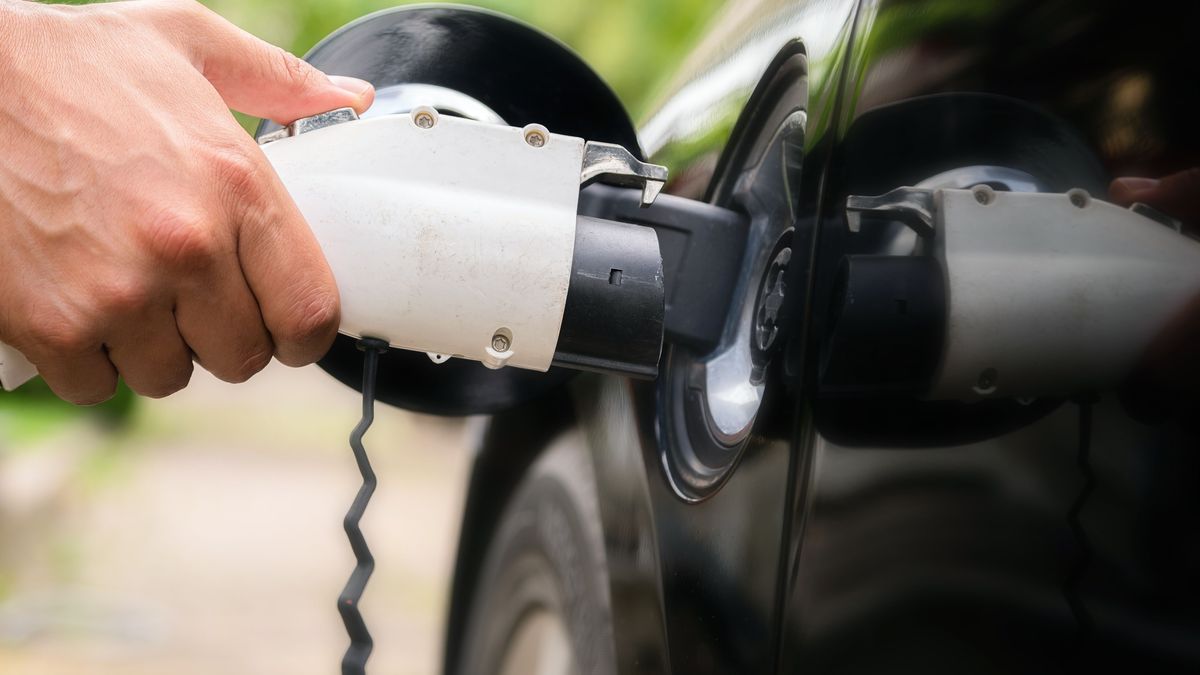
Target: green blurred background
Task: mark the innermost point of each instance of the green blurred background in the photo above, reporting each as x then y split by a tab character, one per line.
633	44
202	533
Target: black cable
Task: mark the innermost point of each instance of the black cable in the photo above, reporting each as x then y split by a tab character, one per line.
361	644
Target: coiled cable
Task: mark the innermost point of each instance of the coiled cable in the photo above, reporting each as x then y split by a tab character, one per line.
361	644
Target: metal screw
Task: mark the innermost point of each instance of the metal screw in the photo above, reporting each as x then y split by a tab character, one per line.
535	138
500	343
424	120
1079	198
984	194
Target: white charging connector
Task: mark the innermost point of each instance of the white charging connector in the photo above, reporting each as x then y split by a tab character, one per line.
446	236
454	237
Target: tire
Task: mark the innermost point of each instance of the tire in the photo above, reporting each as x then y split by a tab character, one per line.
541	602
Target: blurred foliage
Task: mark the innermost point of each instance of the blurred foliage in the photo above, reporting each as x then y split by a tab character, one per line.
33	411
635	45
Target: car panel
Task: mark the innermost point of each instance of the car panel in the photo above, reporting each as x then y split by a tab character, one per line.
1046	546
695	585
858	536
704	110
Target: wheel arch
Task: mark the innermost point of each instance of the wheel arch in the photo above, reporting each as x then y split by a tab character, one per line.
510	444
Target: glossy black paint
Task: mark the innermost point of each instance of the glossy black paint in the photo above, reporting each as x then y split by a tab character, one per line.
902	143
1007	553
716	563
893	535
510	444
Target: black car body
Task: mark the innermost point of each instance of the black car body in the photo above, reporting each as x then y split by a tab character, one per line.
705	525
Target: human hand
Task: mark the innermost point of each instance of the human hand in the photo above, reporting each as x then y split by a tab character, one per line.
1177	195
140	226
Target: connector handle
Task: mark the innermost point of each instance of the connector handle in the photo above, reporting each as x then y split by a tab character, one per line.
15	369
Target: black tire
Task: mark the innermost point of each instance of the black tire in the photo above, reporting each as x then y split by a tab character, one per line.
545	571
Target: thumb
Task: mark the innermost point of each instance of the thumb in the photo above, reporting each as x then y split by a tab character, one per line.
260	79
1177	195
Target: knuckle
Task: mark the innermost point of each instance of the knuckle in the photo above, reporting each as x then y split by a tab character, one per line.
293	70
123	298
182	25
118	21
250	365
314	320
180	8
169	381
179	239
60	334
170	14
239	175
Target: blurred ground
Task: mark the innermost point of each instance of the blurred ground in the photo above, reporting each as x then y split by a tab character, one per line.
206	538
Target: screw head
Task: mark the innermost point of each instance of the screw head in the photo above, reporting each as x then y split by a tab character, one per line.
424	118
500	343
536	135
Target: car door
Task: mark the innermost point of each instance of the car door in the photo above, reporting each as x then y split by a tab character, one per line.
1004	536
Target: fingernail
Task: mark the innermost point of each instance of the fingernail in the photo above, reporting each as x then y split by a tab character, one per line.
1133	184
359	88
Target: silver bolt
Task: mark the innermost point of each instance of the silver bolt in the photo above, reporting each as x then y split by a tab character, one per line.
500	343
424	120
535	138
984	194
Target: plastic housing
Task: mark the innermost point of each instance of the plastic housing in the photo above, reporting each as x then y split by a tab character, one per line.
456	239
